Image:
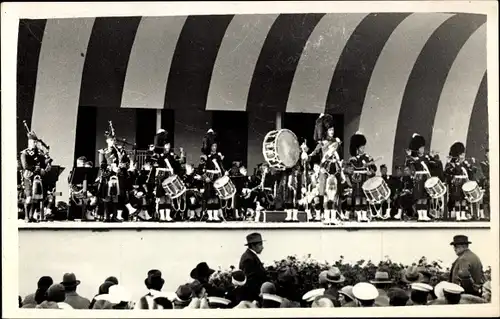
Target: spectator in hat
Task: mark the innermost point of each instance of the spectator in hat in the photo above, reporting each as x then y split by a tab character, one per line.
311	295
466	260
70	284
411	275
112	279
154	283
322	282
346	298
322	302
365	293
382	282
56	295
31	300
117	295
251	265
103	290
183	296
239	292
268	296
218	303
335	281
447	293
397	297
419	294
202	273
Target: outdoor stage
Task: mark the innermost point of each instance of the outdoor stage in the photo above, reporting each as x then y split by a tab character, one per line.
95	250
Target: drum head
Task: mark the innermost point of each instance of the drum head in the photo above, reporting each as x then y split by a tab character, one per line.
221	181
469	186
431	182
287	147
372	183
170	179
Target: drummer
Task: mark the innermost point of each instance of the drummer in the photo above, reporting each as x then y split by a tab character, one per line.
458	172
422	165
324	134
213	171
363	169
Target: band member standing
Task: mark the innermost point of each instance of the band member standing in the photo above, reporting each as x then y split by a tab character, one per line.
290	191
389	180
363	169
485	182
458	171
330	162
213	171
34	166
194	184
421	164
396	187
80	196
142	197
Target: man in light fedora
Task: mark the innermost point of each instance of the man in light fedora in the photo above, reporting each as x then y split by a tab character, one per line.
335	281
72	297
466	260
251	265
412	275
382	282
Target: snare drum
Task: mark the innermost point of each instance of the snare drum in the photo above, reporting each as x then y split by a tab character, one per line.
281	149
376	190
173	186
472	192
224	187
434	187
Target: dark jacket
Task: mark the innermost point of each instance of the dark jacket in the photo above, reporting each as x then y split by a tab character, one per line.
238	294
255	272
467	261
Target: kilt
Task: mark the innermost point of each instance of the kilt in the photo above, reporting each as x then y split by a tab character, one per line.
419	191
193	199
210	196
28	187
357	181
455	186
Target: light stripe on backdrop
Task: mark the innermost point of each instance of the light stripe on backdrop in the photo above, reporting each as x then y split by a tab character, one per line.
423	89
388	81
236	61
274	72
317	63
454	110
150	60
57	92
354	69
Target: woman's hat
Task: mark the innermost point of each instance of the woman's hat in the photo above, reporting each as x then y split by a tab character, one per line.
312	294
322	302
381	277
45	281
364	291
217	302
412	275
267	288
347	291
112	279
116	295
238	278
184	292
334	275
254	238
201	271
69	280
460	240
56	293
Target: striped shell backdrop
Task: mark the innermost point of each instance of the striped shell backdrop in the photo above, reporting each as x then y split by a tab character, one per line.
390	74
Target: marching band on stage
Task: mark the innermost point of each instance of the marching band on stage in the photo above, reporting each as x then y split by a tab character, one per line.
292	179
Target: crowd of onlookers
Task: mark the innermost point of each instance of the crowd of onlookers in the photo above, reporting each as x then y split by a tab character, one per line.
251	287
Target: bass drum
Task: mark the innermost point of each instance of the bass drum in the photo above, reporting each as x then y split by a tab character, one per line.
281	149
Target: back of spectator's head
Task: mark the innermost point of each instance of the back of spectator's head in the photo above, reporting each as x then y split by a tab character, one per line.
104	287
238	278
112	279
322	278
154	280
56	293
45	282
41	292
184	293
397	297
322	302
268	288
346	293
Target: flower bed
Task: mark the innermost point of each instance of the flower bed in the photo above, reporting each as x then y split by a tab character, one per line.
308	270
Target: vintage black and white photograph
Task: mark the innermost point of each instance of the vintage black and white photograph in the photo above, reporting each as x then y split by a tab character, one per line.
238	159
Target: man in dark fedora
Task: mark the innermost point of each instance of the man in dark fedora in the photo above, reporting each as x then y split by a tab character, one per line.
466	261
72	297
251	265
382	282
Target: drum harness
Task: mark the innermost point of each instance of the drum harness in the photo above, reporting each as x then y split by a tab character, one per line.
436	204
466	176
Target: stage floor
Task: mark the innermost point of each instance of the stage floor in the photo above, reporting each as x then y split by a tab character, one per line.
22	225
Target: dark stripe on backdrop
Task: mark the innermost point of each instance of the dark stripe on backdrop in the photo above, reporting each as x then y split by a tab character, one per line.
426	81
86	130
355	67
193	61
278	60
106	61
145	127
477	135
29	44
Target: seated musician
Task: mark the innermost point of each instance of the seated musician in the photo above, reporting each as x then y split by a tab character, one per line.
34	166
363	169
423	165
142	197
313	197
458	171
249	185
194	183
330	162
80	196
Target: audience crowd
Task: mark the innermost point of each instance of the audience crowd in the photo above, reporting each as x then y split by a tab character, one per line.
254	286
